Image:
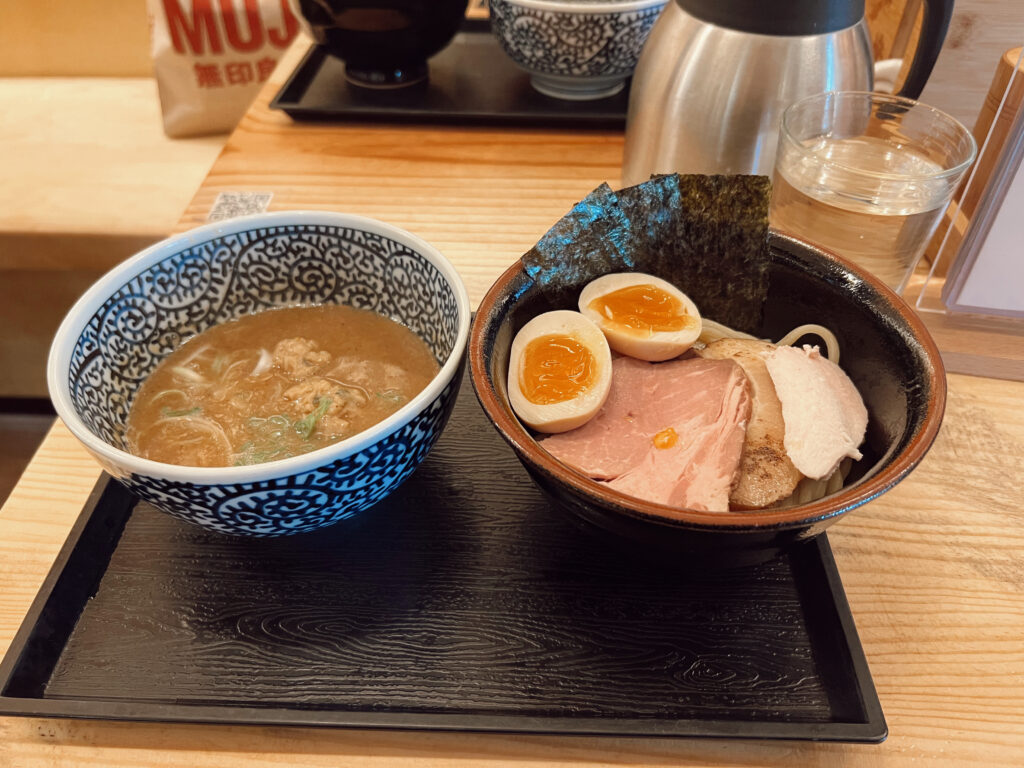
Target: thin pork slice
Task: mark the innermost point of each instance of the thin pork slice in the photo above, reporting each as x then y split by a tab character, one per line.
699	408
618	436
824	413
766	473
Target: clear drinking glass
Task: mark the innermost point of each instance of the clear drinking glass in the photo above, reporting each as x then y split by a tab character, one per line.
867	176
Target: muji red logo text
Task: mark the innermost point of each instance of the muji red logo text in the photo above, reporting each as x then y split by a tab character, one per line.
213	26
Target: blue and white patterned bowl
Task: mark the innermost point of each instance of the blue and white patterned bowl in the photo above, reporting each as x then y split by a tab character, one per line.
575	49
138	313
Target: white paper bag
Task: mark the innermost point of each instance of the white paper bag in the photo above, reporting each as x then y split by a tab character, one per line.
211	56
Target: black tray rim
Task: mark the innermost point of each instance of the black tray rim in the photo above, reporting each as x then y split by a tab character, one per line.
288	100
872	730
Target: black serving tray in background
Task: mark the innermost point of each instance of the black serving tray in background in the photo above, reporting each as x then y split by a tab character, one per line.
471	81
462	602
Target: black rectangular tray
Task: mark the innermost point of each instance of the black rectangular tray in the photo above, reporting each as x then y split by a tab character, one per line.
464	601
471	81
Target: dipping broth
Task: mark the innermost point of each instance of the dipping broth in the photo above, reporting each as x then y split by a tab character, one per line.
276	384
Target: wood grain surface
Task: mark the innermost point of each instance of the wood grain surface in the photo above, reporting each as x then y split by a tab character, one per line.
979	32
934	570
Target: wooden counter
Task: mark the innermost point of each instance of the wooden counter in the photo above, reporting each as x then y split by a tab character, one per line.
87	178
934	570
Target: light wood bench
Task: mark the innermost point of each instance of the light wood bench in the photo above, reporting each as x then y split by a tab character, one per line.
87	176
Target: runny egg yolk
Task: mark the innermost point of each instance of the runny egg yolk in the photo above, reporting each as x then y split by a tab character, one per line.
556	368
665	439
643	310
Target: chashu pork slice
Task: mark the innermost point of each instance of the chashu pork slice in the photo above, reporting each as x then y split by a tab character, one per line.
824	413
669	432
766	473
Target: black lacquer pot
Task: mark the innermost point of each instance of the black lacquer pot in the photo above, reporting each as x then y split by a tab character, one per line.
384	43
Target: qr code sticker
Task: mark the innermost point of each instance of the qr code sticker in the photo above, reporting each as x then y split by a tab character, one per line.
228	205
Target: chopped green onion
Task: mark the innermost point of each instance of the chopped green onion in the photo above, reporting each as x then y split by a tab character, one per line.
306	425
391	396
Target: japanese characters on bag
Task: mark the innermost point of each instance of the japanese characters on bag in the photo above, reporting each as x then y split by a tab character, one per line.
210	57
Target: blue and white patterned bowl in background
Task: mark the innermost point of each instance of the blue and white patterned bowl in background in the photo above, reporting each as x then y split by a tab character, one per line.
575	49
138	313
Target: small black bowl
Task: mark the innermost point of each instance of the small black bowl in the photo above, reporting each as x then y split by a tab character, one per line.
885	350
384	43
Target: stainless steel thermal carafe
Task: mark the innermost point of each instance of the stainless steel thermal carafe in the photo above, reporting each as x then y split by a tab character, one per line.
715	76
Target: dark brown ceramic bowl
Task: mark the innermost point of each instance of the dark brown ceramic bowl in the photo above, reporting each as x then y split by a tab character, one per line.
884	348
384	43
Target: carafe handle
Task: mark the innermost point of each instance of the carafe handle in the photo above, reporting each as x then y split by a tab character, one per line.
934	24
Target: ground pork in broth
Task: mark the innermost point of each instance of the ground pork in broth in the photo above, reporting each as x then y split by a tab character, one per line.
276	384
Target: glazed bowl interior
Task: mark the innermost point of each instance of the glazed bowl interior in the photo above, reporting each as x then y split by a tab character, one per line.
141	311
884	349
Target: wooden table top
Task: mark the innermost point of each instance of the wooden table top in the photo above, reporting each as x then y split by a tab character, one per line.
933	570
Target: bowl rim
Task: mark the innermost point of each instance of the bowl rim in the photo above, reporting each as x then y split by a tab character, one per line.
82	311
587	6
739	521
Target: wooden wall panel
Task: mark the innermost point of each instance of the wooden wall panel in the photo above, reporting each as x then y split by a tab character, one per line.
104	38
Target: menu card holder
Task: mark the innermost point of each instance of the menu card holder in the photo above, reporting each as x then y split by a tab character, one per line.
972	296
987	274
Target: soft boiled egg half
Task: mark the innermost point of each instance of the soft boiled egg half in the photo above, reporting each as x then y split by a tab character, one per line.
642	315
560	371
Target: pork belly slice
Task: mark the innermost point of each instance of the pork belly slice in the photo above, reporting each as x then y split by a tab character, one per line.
705	404
766	473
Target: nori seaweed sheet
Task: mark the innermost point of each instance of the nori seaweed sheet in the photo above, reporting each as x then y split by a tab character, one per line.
651	209
590	240
719	250
708	235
